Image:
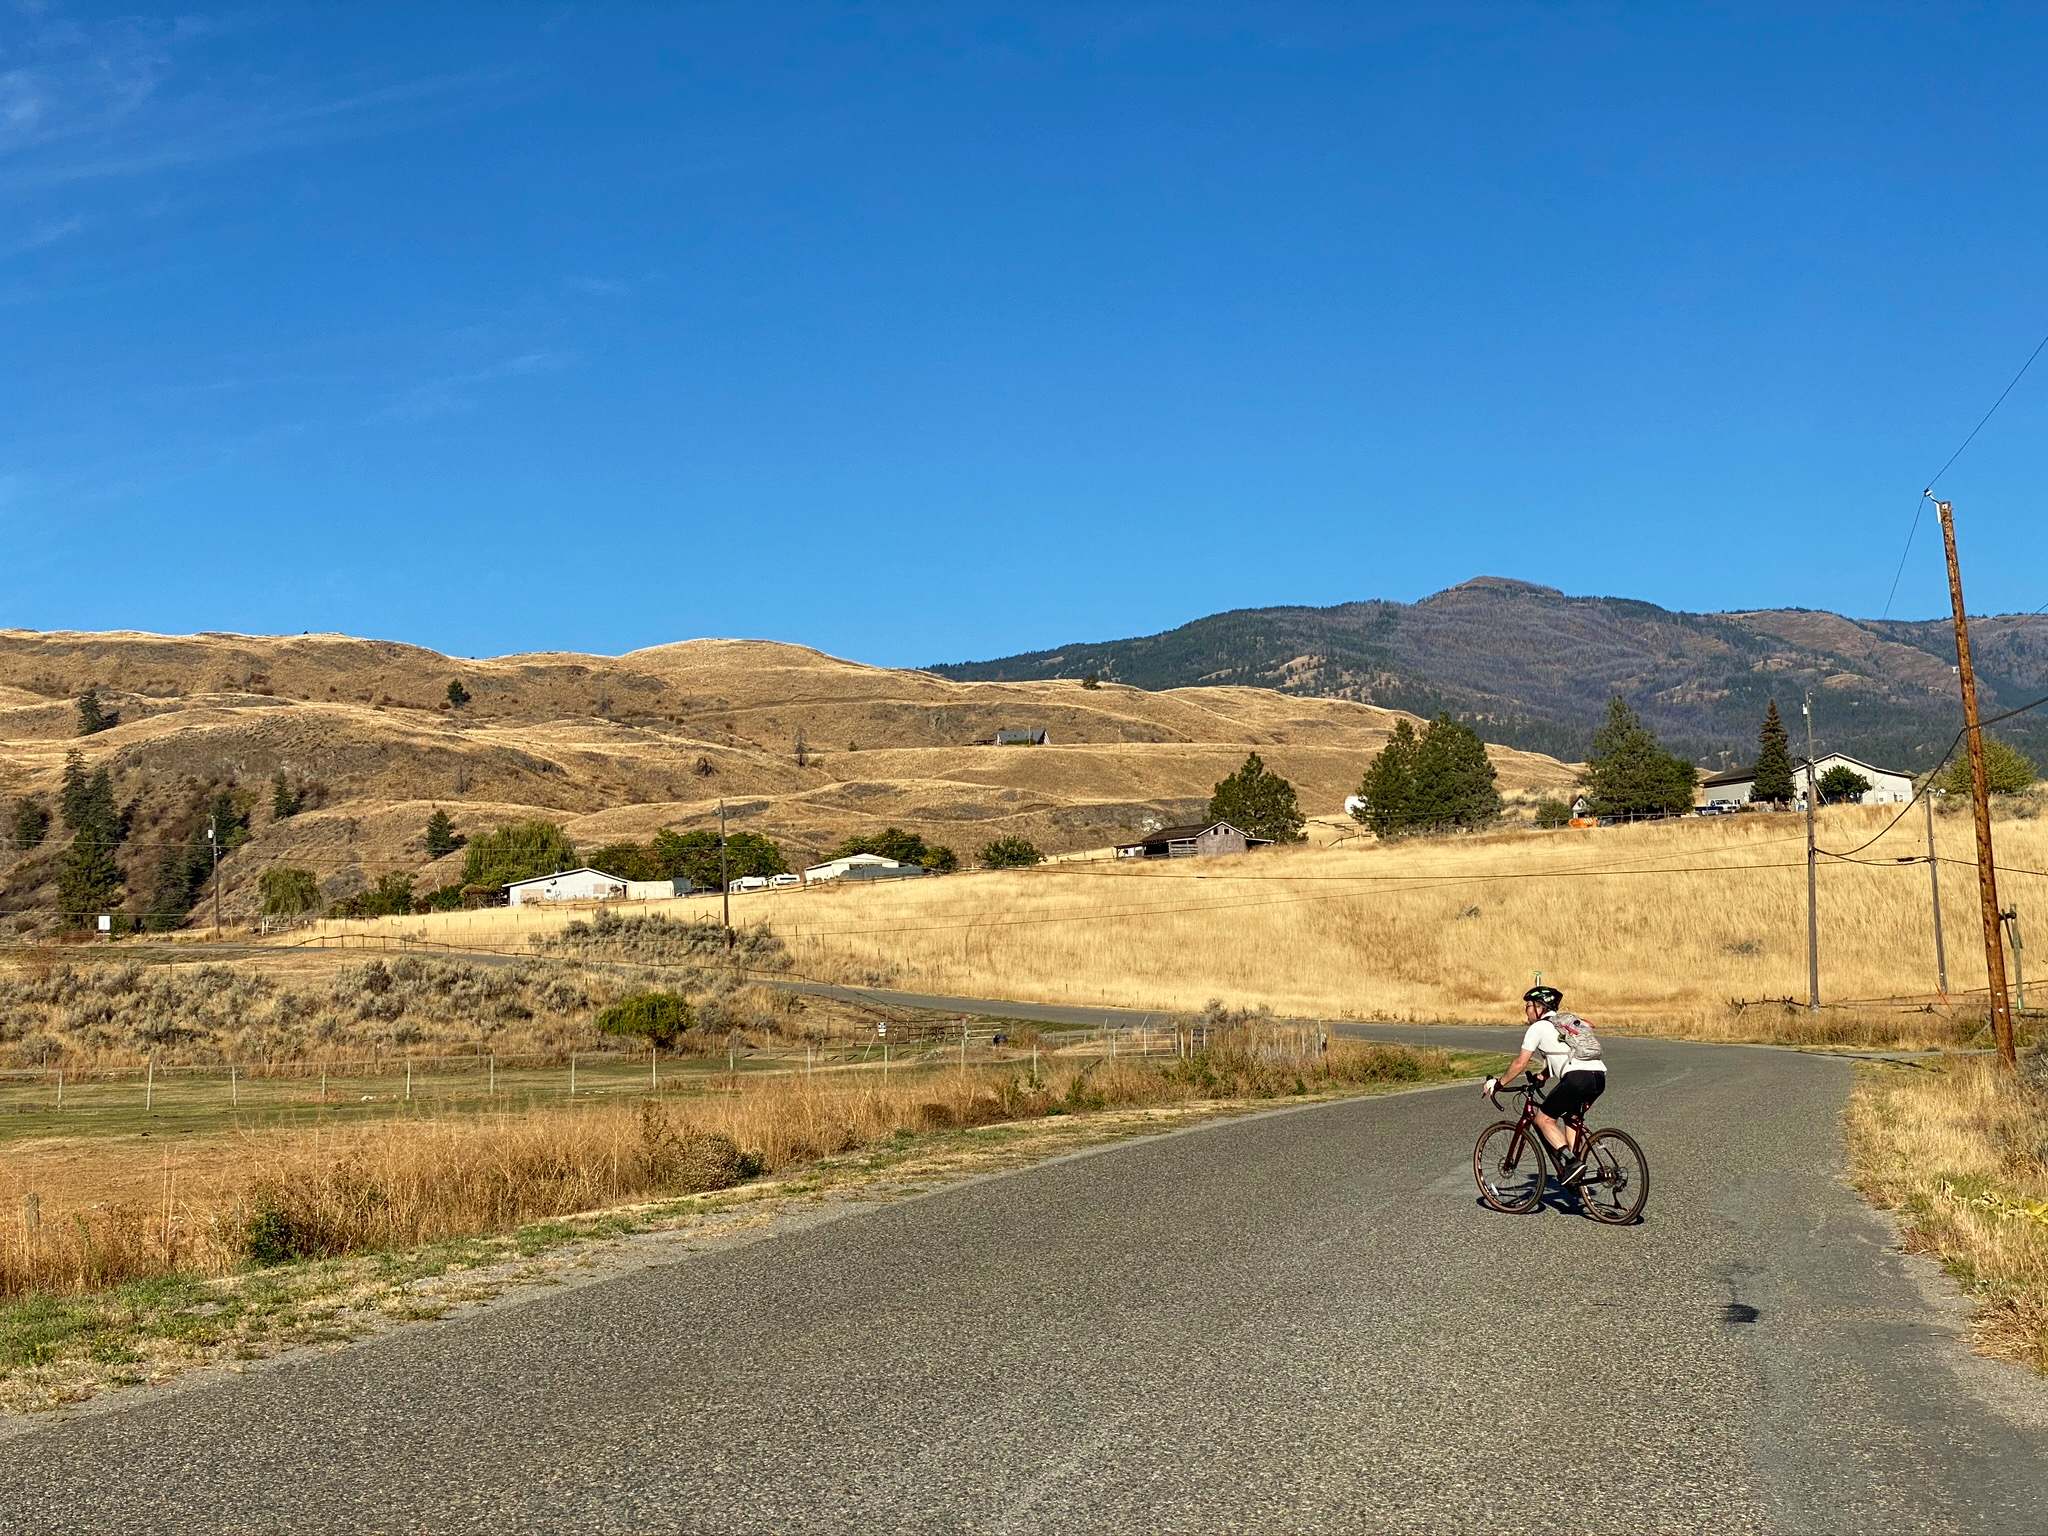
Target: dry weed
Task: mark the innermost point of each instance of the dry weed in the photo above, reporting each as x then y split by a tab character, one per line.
1962	1151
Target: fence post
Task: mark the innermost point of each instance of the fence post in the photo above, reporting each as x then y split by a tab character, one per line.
323	1082
963	1047
493	1090
653	1067
149	1086
1112	1043
572	1074
408	1079
234	1088
807	1059
60	1087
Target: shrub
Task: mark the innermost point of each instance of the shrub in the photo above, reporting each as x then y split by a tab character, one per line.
1552	812
1010	853
660	1018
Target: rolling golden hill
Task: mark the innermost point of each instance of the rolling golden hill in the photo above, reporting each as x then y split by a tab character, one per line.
801	746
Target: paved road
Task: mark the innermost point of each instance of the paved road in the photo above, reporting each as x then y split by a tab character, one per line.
1302	1321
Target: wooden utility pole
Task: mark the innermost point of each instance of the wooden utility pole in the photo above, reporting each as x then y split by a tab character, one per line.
724	878
1980	798
1812	873
213	842
1934	881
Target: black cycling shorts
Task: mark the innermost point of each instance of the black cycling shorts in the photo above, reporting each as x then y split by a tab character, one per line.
1573	1094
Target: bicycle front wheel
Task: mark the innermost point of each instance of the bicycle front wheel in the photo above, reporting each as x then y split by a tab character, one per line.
1619	1186
1509	1167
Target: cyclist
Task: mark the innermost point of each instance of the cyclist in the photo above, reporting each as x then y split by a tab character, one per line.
1573	1071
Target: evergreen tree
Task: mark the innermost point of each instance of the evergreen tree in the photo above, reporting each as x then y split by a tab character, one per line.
1774	782
285	802
92	716
457	694
31	825
230	821
2007	770
1258	802
1454	780
72	799
441	838
1628	772
1389	783
940	859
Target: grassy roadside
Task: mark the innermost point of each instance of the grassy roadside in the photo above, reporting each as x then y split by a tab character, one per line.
60	1345
1960	1150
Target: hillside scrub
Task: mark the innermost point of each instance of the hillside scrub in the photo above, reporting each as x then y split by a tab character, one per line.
1962	1153
123	1013
399	1183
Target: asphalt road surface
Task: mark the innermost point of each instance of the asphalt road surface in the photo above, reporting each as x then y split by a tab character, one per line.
1303	1321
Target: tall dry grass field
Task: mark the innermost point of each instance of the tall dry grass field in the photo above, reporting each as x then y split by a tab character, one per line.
1665	922
396	1184
1963	1153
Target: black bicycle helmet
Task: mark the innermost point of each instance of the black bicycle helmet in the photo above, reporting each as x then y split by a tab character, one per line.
1549	997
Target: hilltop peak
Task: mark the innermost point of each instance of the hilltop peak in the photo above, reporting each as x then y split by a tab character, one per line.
1501	584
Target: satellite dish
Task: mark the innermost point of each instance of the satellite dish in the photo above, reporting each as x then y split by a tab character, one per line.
1354	804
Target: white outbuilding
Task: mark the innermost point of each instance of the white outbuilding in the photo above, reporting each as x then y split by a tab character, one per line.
862	866
567	885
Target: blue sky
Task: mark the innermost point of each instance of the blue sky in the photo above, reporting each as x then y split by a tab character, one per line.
932	332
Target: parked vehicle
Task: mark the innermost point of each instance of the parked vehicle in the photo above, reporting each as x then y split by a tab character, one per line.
784	882
749	883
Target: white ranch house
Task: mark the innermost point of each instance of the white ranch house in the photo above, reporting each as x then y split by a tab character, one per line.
591	885
1886	786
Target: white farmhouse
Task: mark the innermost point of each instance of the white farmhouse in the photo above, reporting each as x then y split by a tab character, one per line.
567	885
862	866
1886	786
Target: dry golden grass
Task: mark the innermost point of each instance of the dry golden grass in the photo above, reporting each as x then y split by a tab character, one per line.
1658	926
1962	1151
395	1184
617	747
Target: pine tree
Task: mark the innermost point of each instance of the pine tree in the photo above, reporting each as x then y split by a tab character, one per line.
31	825
92	716
1628	772
1454	779
72	800
1258	802
1774	784
441	838
457	694
285	802
1388	787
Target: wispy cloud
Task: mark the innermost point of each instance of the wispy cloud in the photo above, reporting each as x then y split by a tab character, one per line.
128	98
454	393
43	233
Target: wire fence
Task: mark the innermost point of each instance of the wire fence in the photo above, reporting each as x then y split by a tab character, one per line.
485	1079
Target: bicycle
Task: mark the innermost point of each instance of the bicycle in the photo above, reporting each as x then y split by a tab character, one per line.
1510	1166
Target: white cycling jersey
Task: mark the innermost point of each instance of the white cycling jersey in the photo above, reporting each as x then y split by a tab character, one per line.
1545	1039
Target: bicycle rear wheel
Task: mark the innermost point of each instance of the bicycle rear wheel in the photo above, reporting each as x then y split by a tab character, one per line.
1508	1166
1619	1186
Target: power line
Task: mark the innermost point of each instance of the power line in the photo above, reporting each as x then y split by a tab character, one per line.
1920	502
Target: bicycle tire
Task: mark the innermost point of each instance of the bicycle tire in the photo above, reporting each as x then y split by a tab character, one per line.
1508	1166
1619	1187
